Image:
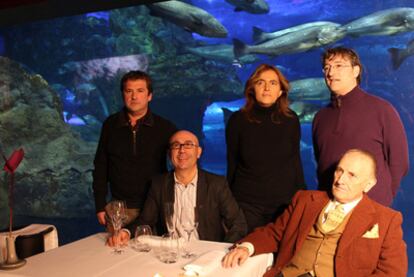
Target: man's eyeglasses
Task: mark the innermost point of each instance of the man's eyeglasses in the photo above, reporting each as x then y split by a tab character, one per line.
185	145
336	67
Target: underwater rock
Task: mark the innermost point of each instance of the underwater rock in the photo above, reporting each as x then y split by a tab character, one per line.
54	178
53	43
89	93
4	208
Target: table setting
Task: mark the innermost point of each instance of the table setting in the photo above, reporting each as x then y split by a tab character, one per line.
178	253
91	257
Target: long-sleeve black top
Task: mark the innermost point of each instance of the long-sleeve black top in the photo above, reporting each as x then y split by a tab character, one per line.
263	159
127	158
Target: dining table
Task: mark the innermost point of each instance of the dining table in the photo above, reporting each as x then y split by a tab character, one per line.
90	256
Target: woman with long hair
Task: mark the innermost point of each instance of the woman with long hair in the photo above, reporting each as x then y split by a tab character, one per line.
264	168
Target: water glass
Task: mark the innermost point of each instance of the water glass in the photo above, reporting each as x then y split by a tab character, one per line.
169	251
142	238
169	217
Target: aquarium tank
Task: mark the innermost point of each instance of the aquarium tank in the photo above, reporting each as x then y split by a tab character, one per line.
59	80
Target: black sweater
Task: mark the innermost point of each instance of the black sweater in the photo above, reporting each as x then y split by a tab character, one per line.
127	161
263	159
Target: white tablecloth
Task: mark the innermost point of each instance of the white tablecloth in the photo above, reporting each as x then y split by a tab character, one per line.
90	257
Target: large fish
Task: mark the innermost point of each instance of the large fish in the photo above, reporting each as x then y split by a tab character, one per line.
260	36
221	52
250	6
305	110
294	42
386	22
309	89
398	55
189	17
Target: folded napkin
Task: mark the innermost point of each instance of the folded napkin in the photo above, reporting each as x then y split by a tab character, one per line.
50	239
206	263
154	241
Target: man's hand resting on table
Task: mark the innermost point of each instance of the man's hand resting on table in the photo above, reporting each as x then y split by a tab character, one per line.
237	256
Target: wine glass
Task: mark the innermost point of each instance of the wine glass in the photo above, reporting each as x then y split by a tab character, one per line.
142	236
189	223
117	214
169	218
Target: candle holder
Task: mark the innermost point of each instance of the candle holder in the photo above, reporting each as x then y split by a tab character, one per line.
12	261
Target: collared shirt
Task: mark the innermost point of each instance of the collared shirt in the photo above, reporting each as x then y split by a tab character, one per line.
347	207
185	198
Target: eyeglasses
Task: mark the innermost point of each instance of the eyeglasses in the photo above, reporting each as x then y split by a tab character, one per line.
336	67
185	145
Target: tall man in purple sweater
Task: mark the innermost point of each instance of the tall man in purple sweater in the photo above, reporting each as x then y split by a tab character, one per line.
356	119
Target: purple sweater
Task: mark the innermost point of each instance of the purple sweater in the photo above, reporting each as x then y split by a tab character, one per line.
368	123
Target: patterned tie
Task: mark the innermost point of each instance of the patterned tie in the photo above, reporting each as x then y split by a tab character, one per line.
334	218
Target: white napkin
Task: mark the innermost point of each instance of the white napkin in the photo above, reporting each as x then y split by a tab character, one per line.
207	262
50	240
152	241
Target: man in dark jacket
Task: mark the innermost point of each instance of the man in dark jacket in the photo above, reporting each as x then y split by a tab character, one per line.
214	210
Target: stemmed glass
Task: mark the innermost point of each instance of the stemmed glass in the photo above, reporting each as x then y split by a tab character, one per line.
189	223
169	218
117	214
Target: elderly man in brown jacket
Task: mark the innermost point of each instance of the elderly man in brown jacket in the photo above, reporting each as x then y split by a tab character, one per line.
343	234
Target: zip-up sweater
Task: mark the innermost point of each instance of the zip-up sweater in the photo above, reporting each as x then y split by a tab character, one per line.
127	158
369	123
